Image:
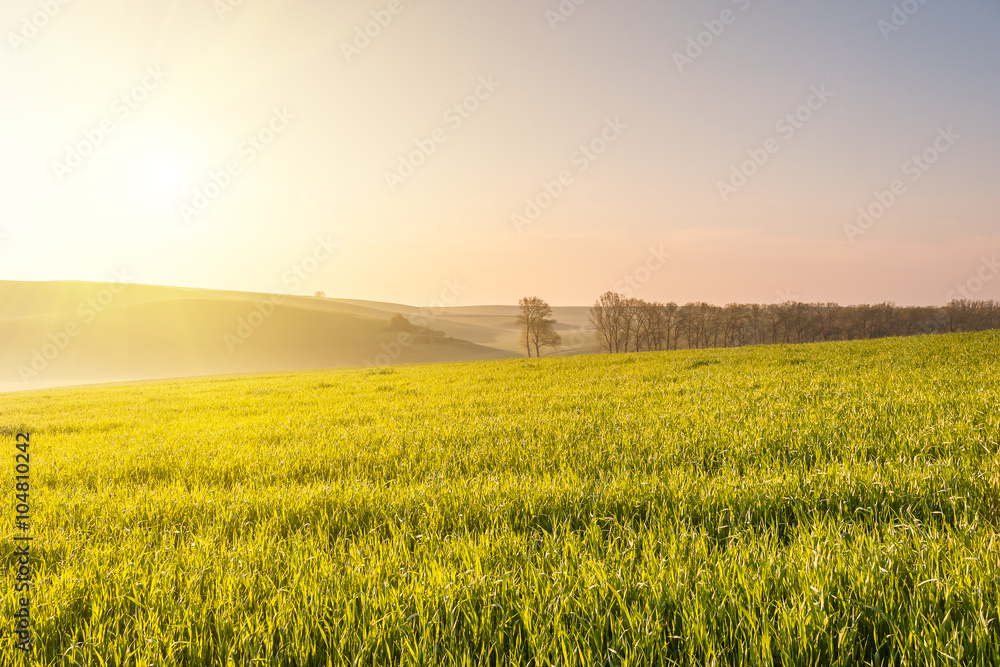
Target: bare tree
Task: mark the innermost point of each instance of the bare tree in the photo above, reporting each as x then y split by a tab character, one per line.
633	325
733	325
606	316
548	338
538	325
629	317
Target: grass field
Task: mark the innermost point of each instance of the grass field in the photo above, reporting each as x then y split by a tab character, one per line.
813	505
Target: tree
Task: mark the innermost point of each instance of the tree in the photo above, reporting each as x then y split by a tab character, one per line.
398	322
606	316
319	295
734	321
623	324
538	325
549	338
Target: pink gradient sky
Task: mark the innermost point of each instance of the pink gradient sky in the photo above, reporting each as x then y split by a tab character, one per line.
781	235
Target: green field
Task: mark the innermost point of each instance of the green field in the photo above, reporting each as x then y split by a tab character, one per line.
831	504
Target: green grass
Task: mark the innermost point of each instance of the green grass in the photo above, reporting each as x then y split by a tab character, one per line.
833	504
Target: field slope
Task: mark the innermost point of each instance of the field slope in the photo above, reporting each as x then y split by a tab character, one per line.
74	333
832	504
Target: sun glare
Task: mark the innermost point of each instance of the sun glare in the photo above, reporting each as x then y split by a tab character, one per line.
158	176
149	177
161	176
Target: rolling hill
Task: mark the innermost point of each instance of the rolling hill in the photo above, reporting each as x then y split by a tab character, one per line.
69	333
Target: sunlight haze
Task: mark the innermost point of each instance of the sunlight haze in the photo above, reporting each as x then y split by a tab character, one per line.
418	150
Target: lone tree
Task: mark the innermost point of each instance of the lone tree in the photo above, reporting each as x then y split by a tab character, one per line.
536	318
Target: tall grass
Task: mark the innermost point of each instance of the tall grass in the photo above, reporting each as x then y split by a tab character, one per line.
833	504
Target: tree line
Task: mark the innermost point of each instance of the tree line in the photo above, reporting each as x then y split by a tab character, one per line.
626	324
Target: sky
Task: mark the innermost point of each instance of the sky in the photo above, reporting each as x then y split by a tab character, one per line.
399	150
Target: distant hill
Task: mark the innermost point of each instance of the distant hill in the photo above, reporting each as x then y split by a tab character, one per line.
66	333
494	326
